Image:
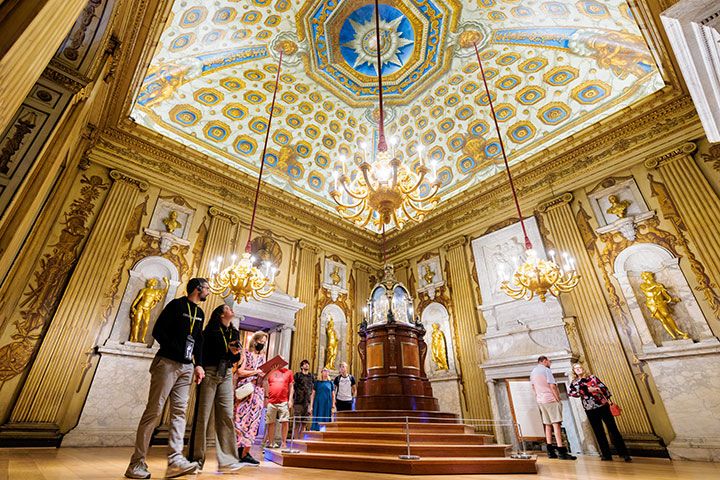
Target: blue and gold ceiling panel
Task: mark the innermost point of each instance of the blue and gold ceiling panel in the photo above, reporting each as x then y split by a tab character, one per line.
554	67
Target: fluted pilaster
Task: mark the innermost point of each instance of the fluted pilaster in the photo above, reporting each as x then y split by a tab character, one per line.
220	242
698	204
64	357
602	346
307	287
32	33
466	326
362	274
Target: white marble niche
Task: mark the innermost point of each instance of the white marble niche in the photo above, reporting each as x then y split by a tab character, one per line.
119	390
445	383
686	372
341	328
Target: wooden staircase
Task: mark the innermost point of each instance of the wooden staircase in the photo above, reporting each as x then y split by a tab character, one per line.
375	445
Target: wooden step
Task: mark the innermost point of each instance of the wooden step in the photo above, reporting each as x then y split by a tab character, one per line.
396	415
399	437
394	450
388	464
363	426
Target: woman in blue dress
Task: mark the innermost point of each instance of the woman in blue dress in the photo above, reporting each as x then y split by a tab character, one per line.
322	400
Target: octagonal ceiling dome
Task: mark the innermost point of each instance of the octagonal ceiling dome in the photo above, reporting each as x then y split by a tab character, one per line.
553	67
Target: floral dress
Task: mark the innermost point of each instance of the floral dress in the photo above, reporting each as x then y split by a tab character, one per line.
248	411
590	401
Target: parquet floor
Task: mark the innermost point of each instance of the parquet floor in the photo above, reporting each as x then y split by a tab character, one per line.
110	463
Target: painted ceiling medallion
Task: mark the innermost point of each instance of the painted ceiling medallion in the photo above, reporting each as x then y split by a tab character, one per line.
413	36
362	49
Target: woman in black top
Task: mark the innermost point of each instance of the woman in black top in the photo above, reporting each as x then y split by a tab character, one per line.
595	398
221	348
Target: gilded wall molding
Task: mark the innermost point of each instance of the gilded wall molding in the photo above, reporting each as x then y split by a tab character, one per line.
713	156
309	246
656	161
457	242
43	294
223	215
119	176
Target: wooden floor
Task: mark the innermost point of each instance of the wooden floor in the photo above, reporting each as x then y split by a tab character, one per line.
110	463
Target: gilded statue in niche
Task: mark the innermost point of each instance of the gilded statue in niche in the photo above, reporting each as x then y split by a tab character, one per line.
331	347
439	348
618	207
428	275
140	309
171	222
658	301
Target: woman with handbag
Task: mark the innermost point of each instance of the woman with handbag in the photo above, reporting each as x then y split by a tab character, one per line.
220	349
595	398
249	396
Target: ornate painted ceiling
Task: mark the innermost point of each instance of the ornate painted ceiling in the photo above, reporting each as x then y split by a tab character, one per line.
553	67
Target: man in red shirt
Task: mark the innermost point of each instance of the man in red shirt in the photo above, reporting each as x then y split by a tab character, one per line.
279	402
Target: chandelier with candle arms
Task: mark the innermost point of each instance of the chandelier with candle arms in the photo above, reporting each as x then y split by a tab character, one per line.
384	189
242	278
533	276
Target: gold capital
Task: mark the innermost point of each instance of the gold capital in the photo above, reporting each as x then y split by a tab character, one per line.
362	266
460	241
119	176
305	245
216	212
559	201
668	156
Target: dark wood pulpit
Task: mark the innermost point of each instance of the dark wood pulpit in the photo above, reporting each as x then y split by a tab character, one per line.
393	376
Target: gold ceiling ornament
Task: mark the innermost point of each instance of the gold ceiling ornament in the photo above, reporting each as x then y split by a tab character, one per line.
383	188
247	278
533	276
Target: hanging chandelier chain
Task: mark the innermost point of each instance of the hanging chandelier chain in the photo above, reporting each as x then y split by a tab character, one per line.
382	144
262	156
528	244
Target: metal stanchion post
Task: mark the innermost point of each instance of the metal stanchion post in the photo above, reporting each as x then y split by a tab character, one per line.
292	440
521	443
408	456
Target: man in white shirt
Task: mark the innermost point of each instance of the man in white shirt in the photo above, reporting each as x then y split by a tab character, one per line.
345	389
547	396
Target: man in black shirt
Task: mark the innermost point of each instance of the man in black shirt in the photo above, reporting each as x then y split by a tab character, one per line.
178	330
303	382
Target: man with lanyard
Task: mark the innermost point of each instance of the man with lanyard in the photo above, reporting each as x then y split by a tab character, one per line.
178	330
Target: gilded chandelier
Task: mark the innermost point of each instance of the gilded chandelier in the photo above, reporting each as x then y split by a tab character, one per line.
384	184
243	279
533	276
536	276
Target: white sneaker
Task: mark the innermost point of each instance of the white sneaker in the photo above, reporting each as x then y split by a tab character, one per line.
180	467
230	468
137	470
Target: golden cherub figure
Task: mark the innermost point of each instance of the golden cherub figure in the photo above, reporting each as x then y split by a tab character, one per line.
658	300
428	275
439	348
331	348
618	207
171	223
140	309
335	276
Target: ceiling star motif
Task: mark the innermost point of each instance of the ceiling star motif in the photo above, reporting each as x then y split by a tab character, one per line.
554	67
364	44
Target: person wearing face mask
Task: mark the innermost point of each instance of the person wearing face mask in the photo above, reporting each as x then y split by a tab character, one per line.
248	411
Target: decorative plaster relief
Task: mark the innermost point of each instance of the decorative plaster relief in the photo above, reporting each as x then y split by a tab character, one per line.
335	278
429	274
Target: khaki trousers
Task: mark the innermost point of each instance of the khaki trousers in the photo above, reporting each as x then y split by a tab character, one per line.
172	379
216	391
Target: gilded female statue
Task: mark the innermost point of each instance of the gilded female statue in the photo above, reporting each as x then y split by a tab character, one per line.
331	347
140	309
658	300
439	348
